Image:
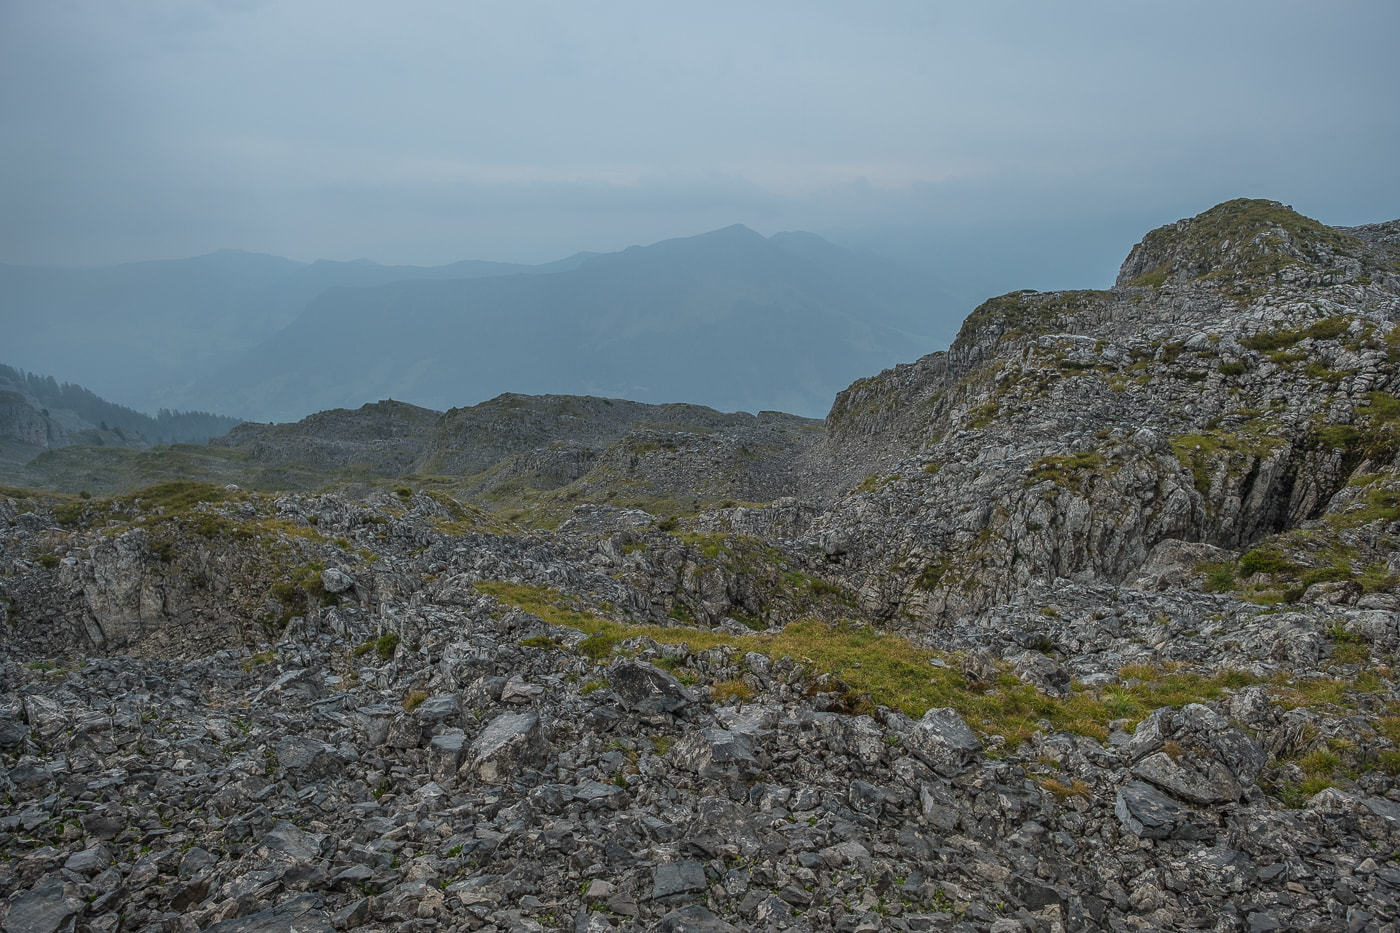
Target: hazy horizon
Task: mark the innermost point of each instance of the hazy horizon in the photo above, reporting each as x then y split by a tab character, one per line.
1007	144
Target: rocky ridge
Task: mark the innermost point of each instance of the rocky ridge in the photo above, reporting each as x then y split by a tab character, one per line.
1138	547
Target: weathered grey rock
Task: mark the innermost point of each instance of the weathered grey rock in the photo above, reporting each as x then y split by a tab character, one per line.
938	806
519	690
48	907
405	731
303	913
298	683
943	741
1217	870
446	752
1189	777
715	754
1042	673
591	791
1173	563
1145	811
510	742
1251	706
646	689
487	890
89	861
866	798
1335	593
352	915
592	922
1194	754
444	708
750	719
12	733
308	759
672	880
1371	817
291	840
376	721
860	737
692	918
45	716
336	581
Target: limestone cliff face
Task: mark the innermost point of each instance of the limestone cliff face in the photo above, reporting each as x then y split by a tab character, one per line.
22	422
1240	373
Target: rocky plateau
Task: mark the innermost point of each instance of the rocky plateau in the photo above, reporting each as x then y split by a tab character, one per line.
1087	623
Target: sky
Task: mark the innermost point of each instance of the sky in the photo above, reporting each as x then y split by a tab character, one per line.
999	144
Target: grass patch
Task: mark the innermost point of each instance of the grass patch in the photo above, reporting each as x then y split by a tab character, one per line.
736	690
257	660
863	662
1068	471
1268	561
385	645
1062	791
1220	576
875	481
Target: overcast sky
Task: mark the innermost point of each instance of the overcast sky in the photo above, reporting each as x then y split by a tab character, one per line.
1046	134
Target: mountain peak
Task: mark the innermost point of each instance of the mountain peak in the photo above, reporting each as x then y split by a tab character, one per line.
1244	243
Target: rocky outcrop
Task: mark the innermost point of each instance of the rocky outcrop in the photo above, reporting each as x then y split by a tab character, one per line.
22	423
1226	389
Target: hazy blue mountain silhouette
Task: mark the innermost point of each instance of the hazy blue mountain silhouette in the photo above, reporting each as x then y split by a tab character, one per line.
143	331
729	319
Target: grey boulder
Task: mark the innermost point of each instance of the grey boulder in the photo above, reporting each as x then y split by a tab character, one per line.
717	753
510	742
646	689
943	741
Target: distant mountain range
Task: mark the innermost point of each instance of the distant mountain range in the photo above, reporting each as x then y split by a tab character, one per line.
729	319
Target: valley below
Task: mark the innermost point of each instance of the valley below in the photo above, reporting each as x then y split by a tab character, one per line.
1087	623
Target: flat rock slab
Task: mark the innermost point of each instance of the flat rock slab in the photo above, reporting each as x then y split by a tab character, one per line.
89	861
591	790
676	879
45	908
646	689
308	759
286	837
1145	811
304	913
440	708
519	690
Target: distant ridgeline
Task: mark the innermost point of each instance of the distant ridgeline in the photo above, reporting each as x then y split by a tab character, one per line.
84	409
